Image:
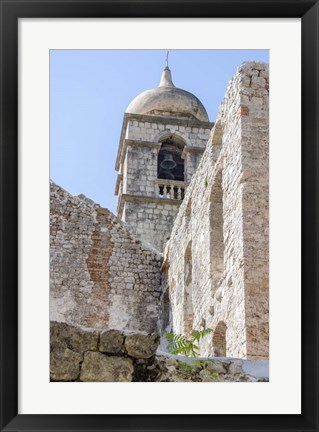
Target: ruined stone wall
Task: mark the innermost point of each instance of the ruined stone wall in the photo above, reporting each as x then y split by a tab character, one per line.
82	354
138	170
101	276
216	262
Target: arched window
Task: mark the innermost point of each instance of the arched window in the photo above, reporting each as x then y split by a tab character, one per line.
219	340
170	164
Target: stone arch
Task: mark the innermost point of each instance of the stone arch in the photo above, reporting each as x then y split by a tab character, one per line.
188	315
216	231
166	133
219	340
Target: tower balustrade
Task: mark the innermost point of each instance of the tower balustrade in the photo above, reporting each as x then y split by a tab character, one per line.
170	189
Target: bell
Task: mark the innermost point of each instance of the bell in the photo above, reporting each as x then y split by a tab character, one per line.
168	162
166	174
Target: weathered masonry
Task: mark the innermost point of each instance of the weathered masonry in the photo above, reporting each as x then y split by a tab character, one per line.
216	261
100	275
82	354
197	191
164	134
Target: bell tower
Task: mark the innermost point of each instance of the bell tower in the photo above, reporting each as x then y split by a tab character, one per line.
164	134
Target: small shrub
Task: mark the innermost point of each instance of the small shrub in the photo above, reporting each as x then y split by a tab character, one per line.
214	375
184	366
199	364
179	344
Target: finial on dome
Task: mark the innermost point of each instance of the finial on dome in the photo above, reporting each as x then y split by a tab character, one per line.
166	80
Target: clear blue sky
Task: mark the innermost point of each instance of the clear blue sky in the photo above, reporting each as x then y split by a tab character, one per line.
90	91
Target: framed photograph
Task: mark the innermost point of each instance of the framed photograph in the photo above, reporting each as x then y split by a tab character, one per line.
194	308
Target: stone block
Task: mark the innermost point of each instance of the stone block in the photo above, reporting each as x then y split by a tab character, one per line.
208	376
64	364
76	338
141	346
111	341
216	366
235	367
98	367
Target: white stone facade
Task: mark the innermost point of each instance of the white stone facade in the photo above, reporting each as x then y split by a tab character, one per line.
216	261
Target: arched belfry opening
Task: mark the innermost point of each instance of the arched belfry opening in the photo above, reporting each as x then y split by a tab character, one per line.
219	340
170	165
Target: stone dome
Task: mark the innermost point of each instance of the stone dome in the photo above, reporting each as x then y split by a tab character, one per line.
166	99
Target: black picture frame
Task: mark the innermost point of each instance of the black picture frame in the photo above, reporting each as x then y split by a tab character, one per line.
11	11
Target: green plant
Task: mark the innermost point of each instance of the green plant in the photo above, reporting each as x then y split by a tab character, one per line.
195	364
206	182
184	366
179	344
199	364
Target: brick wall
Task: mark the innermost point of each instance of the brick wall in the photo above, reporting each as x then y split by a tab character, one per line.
101	276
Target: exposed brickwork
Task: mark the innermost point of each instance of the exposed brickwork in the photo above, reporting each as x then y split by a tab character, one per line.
244	110
101	275
98	264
